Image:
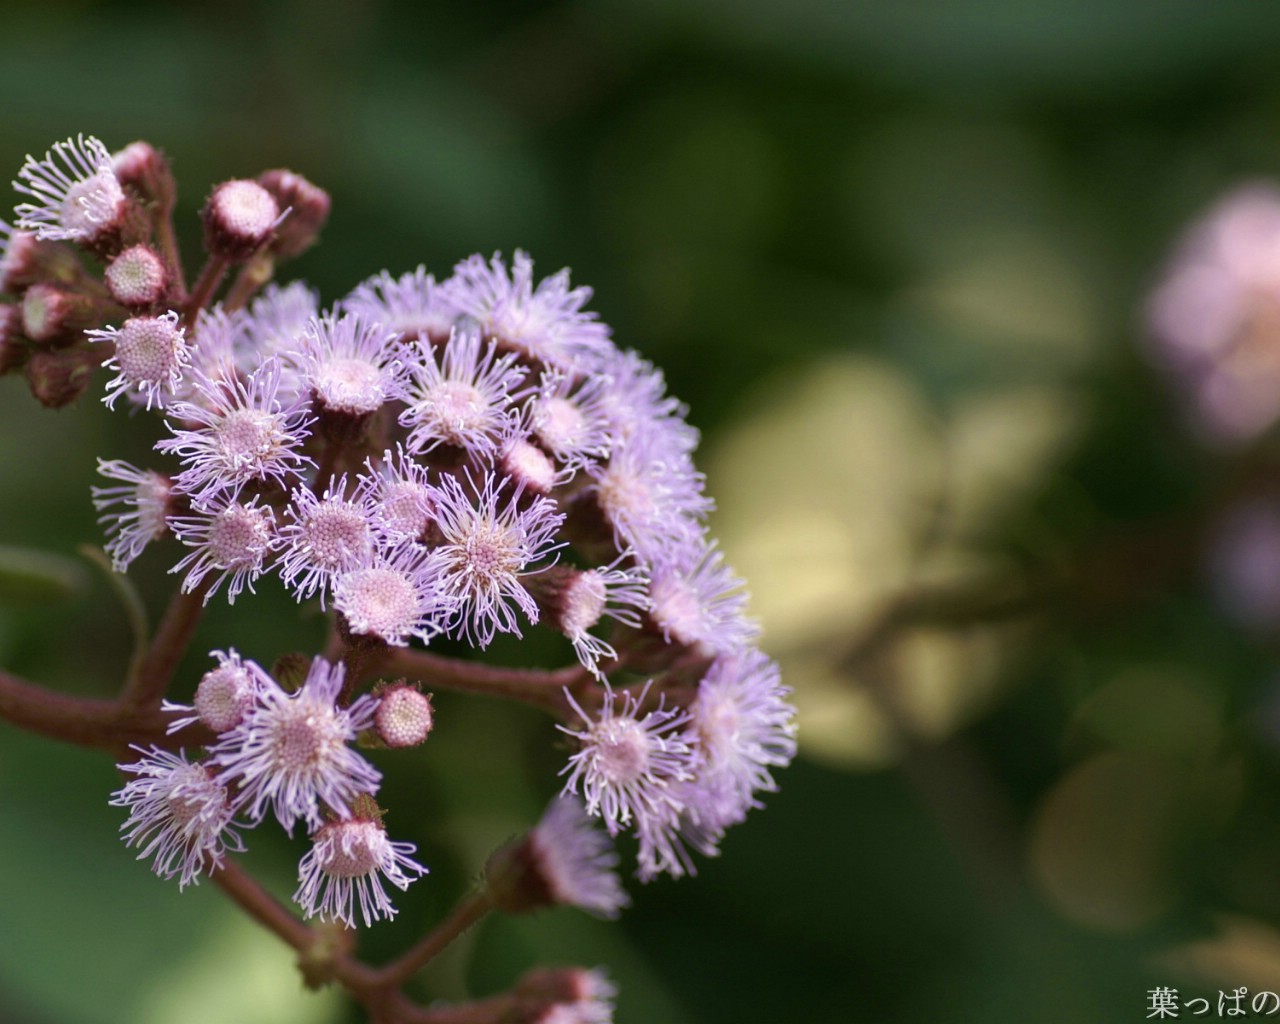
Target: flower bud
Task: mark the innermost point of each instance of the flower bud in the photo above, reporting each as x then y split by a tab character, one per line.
308	207
143	168
57	378
50	313
137	278
240	217
404	716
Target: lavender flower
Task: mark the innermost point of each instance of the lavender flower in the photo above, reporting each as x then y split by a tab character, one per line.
410	305
150	353
488	541
576	861
543	323
290	752
328	535
243	433
179	815
569	416
396	596
143	518
405	501
464	399
224	695
350	365
228	536
698	601
77	195
627	766
580	600
348	861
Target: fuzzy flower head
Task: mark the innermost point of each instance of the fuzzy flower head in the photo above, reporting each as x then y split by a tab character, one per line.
463	398
410	305
150	354
579	600
231	538
179	815
144	497
350	365
395	597
77	195
404	499
627	765
569	417
544	323
488	543
700	603
290	753
404	717
224	696
348	863
576	861
241	433
328	535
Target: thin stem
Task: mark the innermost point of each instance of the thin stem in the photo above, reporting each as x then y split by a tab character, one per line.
169	251
148	684
543	690
253	275
202	291
464	915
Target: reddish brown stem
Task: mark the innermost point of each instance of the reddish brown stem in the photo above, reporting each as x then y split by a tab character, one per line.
155	672
541	689
464	915
170	253
204	288
252	276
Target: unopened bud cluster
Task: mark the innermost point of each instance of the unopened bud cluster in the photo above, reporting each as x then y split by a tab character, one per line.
465	457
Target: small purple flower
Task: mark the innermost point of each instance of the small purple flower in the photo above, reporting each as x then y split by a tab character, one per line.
396	596
543	323
143	518
290	752
628	766
610	592
488	542
348	861
351	366
569	417
463	399
150	354
179	814
224	694
327	536
77	195
228	536
699	602
242	433
576	861
275	326
410	305
399	489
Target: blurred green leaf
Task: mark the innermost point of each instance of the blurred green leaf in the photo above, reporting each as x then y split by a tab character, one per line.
28	575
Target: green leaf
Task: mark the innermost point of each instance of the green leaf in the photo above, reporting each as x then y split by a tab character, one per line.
28	575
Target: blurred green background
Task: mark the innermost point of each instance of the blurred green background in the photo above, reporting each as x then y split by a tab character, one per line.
893	256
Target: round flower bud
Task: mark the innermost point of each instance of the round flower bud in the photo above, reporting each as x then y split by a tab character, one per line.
137	277
529	466
239	218
57	378
404	716
308	207
50	313
143	168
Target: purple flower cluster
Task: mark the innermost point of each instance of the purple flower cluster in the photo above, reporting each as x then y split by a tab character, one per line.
464	457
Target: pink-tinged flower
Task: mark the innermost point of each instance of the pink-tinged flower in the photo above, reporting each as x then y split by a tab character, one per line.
570	418
276	325
578	600
404	717
143	516
463	398
351	366
239	217
349	861
179	815
224	694
638	403
488	542
215	346
543	323
242	433
576	861
77	195
697	601
290	753
229	537
404	500
137	277
328	535
742	726
628	766
308	205
1214	320
526	465
652	497
396	596
411	305
150	355
565	995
